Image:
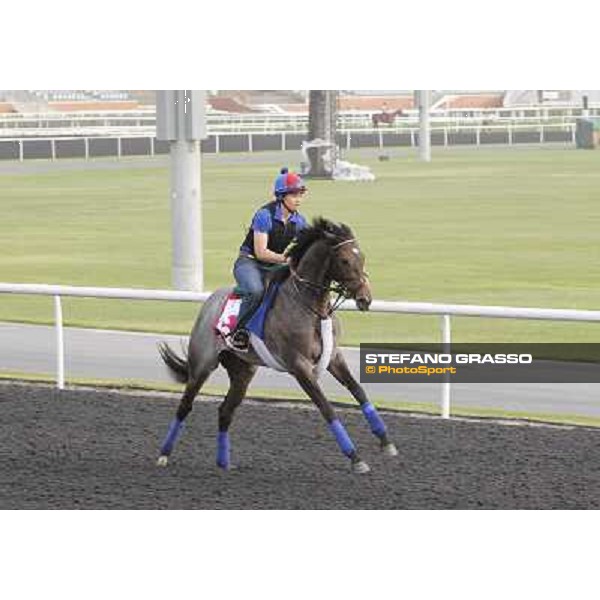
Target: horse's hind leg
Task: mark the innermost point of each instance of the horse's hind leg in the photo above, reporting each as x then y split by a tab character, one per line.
200	363
240	375
193	370
185	407
339	369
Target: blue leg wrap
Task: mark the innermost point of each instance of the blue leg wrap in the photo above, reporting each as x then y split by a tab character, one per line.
372	416
172	435
342	437
223	449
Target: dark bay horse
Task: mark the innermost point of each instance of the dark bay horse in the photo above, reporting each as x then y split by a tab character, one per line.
386	118
324	253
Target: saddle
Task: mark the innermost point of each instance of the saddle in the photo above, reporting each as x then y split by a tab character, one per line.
256	324
227	319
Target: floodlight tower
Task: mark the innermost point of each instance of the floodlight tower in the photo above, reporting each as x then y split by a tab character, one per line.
181	120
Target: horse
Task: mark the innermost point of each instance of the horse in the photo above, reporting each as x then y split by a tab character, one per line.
326	258
387	118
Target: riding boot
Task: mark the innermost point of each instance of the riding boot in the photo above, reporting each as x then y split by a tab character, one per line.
239	338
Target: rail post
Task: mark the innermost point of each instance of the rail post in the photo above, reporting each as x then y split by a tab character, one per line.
446	384
60	344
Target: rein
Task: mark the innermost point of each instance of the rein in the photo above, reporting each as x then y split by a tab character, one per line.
340	289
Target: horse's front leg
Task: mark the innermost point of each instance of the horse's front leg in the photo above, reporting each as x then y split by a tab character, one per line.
339	369
306	379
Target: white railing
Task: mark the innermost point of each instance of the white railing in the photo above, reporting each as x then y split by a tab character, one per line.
78	132
445	311
271	122
14	134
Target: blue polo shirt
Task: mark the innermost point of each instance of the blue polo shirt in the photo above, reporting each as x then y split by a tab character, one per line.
263	223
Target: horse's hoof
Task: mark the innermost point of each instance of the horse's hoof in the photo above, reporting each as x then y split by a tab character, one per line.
162	461
360	466
389	450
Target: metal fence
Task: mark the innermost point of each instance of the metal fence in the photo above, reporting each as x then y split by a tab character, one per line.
445	311
141	142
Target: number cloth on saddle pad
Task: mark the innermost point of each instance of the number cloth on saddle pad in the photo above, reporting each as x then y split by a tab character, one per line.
231	310
229	315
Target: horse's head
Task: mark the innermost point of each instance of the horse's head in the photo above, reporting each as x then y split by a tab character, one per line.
347	264
326	252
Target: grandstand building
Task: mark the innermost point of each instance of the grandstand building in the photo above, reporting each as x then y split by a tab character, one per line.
90	123
292	101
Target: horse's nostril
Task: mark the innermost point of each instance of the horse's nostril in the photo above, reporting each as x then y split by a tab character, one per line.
363	303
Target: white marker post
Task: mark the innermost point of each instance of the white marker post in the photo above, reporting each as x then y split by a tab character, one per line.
180	120
447	349
60	344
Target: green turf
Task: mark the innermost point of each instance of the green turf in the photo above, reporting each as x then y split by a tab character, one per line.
491	226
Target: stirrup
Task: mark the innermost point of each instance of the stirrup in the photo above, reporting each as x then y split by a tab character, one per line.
237	344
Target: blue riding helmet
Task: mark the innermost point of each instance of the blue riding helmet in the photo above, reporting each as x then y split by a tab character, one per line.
288	182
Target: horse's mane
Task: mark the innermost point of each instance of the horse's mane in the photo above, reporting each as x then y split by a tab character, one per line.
321	229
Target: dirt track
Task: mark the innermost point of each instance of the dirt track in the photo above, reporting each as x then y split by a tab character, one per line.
87	449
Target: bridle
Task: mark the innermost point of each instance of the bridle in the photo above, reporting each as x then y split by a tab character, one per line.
338	288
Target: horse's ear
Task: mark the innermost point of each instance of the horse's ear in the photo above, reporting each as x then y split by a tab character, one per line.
330	231
346	231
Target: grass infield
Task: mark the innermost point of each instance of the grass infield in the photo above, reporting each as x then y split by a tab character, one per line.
514	227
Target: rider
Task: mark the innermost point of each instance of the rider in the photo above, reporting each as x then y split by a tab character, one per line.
273	228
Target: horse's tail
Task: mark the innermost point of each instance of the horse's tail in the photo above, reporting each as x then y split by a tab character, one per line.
178	366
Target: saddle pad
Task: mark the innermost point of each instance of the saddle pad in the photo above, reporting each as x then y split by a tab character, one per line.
271	361
229	315
256	324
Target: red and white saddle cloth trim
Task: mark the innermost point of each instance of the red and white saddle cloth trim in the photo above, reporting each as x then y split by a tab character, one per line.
229	315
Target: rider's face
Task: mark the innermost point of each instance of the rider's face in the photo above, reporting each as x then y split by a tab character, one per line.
293	200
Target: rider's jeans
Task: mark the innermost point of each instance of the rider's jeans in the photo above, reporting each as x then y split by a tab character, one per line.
249	277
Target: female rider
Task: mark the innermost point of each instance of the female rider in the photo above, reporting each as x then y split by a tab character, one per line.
273	228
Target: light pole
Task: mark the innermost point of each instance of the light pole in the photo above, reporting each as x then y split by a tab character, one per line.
322	123
180	120
424	100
